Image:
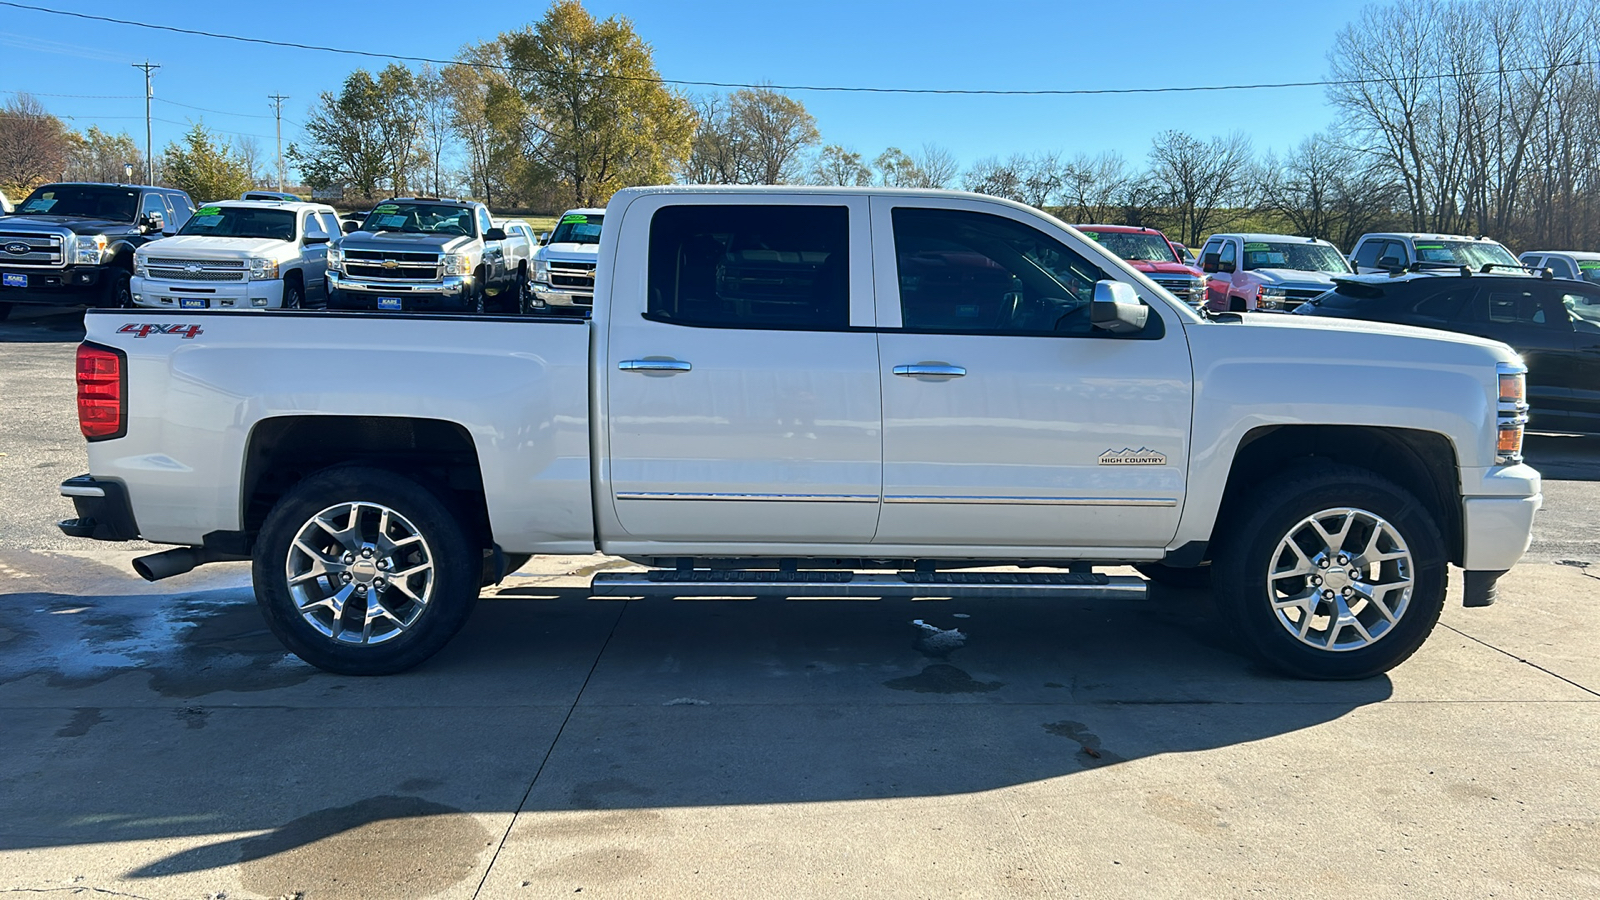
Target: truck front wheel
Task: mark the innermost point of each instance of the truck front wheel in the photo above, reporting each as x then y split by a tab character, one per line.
360	571
1331	572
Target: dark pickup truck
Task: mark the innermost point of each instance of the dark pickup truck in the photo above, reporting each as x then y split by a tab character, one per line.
72	244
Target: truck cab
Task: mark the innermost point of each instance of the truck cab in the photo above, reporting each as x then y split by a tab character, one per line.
1267	272
72	244
1388	251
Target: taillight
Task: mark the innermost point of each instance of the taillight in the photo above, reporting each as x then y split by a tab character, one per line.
102	392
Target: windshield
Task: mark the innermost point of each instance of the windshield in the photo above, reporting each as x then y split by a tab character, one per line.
420	218
241	222
1589	270
1141	247
578	228
1476	254
1303	257
89	201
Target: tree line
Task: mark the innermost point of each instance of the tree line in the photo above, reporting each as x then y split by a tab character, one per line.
1474	116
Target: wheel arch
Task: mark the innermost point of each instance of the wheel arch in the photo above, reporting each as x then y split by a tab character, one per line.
439	454
1422	462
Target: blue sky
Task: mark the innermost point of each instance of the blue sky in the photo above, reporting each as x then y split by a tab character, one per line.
1014	45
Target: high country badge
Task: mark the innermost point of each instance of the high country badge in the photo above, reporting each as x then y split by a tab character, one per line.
1125	457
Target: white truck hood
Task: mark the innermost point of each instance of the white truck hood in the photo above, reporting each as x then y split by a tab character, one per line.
570	252
1321	337
1293	276
196	246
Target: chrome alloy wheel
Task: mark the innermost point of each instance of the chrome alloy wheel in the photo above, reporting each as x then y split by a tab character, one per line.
360	573
1341	579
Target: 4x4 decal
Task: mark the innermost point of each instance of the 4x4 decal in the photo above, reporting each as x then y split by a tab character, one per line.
145	330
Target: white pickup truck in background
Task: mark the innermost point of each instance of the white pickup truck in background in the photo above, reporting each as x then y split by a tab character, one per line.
564	265
239	254
788	386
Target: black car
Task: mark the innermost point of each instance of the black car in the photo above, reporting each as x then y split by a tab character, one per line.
72	244
1553	322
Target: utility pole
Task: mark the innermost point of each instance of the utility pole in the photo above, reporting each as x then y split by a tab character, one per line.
149	162
277	102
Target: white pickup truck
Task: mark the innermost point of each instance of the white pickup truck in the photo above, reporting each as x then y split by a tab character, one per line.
239	254
801	390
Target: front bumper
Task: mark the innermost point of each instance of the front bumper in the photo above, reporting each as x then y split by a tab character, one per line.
104	513
1497	515
153	294
450	293
69	286
549	296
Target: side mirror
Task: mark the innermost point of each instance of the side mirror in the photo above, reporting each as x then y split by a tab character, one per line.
151	222
1390	262
317	239
495	234
349	227
1210	262
544	238
1117	309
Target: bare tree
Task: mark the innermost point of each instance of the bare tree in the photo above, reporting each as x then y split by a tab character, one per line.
720	152
437	132
1199	178
1094	188
33	144
777	130
937	166
247	150
837	165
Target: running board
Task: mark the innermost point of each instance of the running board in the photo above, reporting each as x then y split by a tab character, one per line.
717	583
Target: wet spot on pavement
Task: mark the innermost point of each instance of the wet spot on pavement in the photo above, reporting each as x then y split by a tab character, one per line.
379	847
942	678
588	794
415	785
82	721
1090	753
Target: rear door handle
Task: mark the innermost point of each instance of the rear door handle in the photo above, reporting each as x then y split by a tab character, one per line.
654	365
925	370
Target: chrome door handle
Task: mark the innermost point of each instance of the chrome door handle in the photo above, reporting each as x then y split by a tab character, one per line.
927	370
654	365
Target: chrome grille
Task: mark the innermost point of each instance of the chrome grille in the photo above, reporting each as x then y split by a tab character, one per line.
392	265
572	275
1184	288
165	268
44	250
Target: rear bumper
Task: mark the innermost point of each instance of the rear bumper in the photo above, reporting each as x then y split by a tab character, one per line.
152	294
104	513
71	286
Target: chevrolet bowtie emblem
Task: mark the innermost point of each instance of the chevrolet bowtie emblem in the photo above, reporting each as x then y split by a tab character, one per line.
391	264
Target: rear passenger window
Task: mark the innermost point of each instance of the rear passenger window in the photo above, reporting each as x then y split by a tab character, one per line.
1515	307
972	272
1559	267
1447	306
784	267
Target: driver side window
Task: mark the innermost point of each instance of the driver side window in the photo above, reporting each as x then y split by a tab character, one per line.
968	272
1229	253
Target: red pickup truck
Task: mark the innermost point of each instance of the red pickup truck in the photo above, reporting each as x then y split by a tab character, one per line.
1149	251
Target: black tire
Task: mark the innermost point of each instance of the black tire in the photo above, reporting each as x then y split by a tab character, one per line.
119	295
1196	578
1247	544
1236	304
294	293
456	571
5	311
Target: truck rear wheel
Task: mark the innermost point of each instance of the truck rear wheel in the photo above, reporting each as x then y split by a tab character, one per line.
1331	572
360	571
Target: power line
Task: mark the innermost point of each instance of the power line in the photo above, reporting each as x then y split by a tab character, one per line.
217	111
852	89
77	96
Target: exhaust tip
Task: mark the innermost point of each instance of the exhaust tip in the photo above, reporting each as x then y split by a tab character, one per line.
168	563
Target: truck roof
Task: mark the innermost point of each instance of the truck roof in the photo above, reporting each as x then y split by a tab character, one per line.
1418	235
296	205
1281	238
1121	229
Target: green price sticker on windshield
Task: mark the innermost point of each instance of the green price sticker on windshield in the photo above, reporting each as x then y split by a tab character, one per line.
574	220
209	211
387	208
1430	246
1589	265
1256	246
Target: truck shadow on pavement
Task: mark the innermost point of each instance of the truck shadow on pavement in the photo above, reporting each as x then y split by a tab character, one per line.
1564	457
42	325
153	718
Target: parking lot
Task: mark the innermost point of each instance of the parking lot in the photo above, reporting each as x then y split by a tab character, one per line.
158	742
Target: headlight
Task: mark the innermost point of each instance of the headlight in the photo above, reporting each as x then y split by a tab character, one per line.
141	265
1267	292
335	259
1511	414
89	250
263	269
541	271
457	264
